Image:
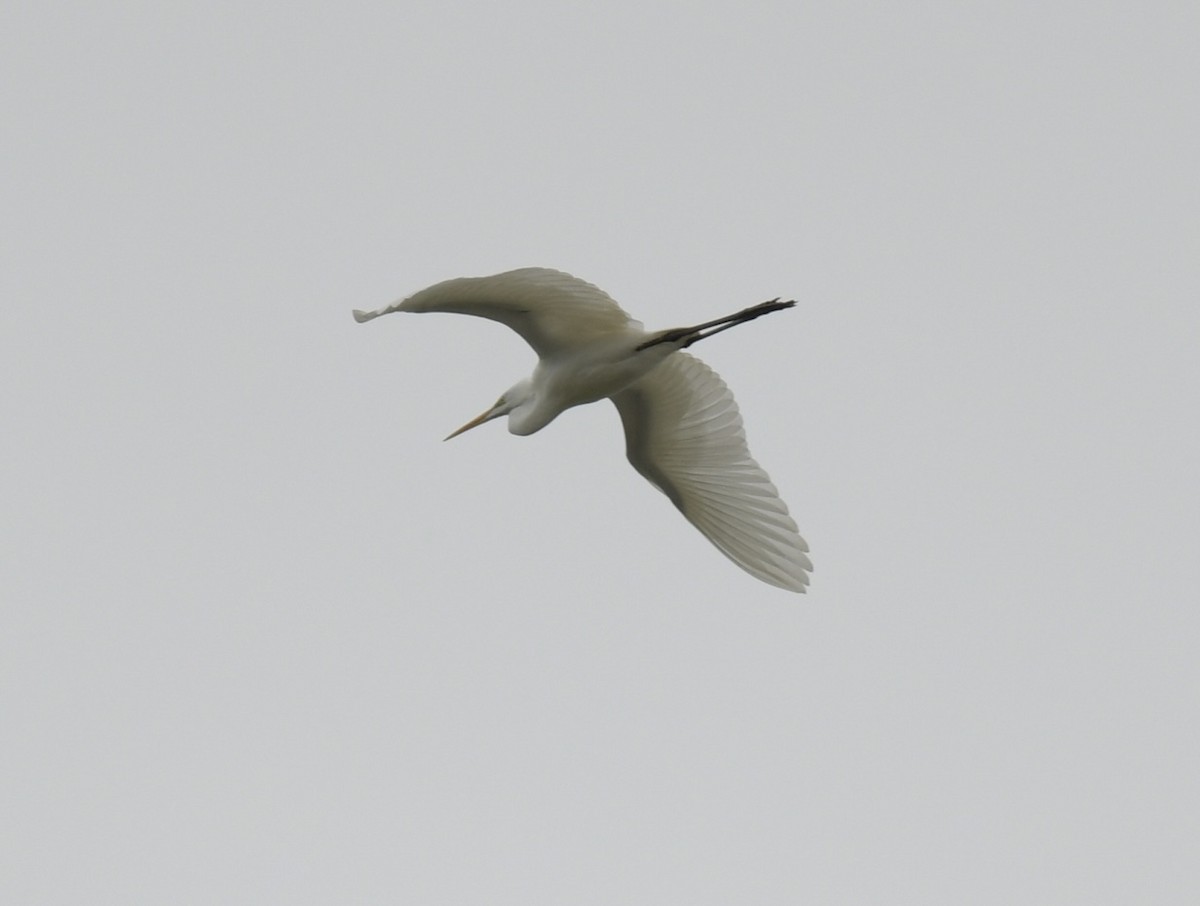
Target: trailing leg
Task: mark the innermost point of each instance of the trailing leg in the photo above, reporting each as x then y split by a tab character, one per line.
686	336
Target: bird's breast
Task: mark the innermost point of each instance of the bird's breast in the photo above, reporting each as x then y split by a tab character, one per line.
573	381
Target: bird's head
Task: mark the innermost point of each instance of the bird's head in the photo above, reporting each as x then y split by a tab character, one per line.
516	397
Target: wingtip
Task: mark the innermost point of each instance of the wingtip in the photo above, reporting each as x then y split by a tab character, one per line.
360	316
797	584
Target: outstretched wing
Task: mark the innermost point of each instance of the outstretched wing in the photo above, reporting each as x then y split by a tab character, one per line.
683	432
554	312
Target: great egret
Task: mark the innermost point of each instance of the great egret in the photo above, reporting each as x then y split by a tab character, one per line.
683	431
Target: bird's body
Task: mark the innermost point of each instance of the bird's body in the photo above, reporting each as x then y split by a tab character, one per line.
682	427
592	373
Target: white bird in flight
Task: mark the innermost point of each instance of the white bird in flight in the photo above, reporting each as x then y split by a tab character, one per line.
683	431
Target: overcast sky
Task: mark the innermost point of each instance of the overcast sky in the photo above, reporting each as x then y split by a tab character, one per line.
266	639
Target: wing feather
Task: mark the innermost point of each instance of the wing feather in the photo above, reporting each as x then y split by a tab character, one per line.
684	433
552	311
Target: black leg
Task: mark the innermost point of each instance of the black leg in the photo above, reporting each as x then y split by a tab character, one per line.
697	332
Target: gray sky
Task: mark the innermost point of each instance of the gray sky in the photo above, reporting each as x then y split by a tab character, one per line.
268	640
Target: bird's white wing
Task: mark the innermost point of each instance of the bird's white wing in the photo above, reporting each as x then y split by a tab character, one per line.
683	432
554	312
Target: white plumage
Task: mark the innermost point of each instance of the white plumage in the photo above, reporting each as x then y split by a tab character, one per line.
683	430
